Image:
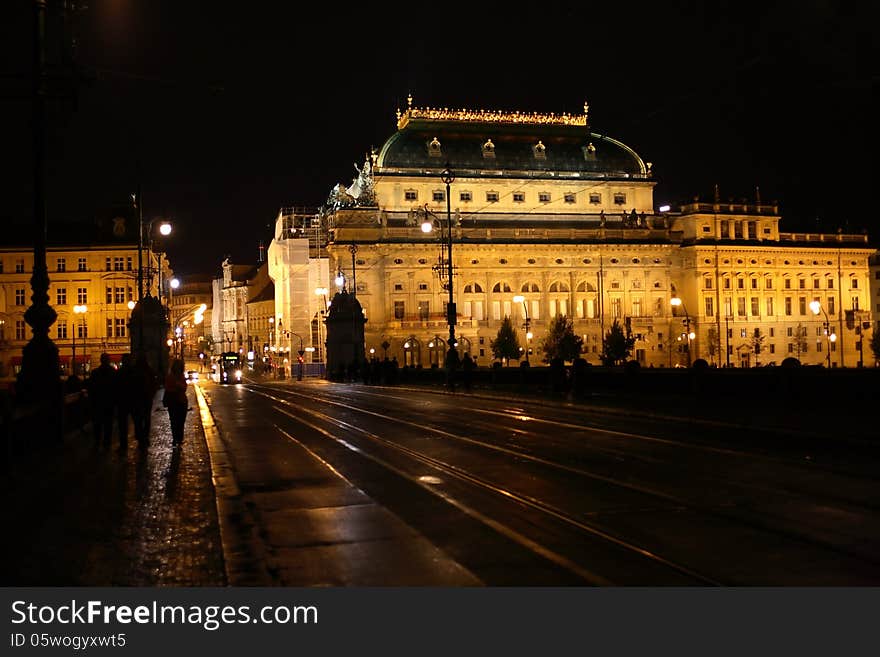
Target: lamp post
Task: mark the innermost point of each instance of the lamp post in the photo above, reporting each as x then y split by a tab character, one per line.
427	226
521	299
77	310
689	335
830	337
321	292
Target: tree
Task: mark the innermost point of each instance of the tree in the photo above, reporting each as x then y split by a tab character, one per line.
561	341
506	343
618	345
799	340
875	344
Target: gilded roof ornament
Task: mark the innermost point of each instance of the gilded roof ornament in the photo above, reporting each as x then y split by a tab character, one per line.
488	116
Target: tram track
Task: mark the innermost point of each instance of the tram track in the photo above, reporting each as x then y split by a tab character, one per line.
576	520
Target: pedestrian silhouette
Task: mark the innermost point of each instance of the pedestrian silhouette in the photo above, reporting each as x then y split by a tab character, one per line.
126	394
102	400
452	364
467	369
143	390
175	400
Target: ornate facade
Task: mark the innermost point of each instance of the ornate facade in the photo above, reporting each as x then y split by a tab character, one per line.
543	207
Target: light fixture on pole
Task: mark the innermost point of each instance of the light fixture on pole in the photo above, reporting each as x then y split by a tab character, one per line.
689	335
77	310
816	308
427	226
321	292
528	322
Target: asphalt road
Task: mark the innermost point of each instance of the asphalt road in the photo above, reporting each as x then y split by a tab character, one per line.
348	484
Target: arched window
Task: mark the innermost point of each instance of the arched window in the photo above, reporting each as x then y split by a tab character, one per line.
584	286
558	286
501	286
473	288
531	287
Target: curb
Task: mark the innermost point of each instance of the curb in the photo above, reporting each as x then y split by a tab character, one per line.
243	552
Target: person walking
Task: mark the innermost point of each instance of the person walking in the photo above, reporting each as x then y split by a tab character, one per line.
175	400
102	400
467	368
144	389
126	395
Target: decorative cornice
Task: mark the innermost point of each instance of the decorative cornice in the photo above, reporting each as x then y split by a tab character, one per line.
488	116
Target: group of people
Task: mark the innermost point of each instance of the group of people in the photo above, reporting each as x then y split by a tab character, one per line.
128	393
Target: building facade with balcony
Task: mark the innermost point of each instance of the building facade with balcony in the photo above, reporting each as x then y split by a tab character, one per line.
92	265
543	207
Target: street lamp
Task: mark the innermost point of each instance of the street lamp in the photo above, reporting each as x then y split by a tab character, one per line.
77	310
427	226
321	292
830	337
690	335
521	299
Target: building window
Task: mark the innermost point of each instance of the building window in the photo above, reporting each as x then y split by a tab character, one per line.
756	309
61	331
119	263
399	309
423	286
424	310
595	199
742	333
465	197
120	295
81	264
19	329
770	307
754	283
802	284
19	266
787	285
741	306
60	264
740	284
61	296
82	296
108	295
726	283
82	330
830	283
772	332
619	198
710	307
519	197
570	198
411	195
120	328
108	264
637	307
109	328
855	303
19	296
128	263
543	197
707	283
768	283
615	308
398	287
491	197
802	305
831	305
815	283
438	196
131	294
854	283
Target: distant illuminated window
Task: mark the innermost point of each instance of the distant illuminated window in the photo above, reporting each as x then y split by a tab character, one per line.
491	197
519	197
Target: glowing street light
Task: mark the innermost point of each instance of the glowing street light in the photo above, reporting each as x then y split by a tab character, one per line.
521	299
676	302
830	337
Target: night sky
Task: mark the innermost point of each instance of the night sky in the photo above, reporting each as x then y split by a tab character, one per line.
227	111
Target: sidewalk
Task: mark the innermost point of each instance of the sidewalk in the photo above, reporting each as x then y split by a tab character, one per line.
85	516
